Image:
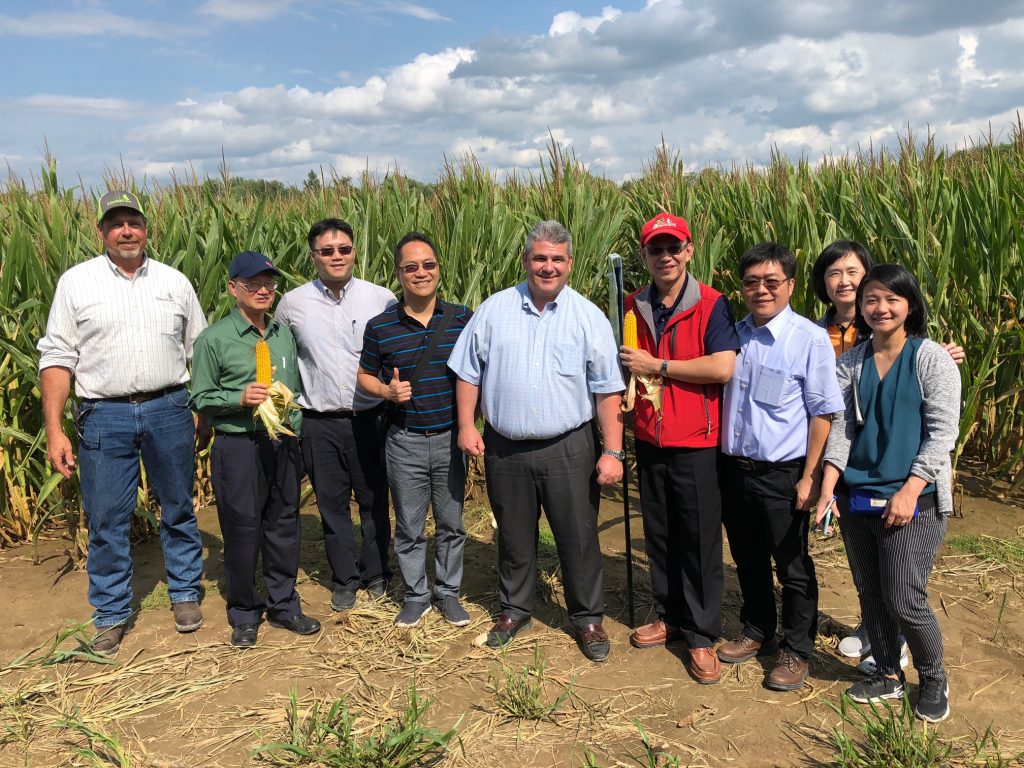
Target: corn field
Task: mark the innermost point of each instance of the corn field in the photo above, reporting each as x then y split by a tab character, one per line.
955	221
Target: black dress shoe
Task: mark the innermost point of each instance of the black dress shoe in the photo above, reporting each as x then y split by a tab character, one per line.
300	624
244	635
343	599
505	628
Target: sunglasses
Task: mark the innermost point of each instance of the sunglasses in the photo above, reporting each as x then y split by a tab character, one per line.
771	284
343	250
257	287
656	250
412	269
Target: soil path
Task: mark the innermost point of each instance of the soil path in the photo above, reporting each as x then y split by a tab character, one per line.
191	700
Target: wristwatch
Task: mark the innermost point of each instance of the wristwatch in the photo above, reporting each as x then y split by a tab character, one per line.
620	455
664	367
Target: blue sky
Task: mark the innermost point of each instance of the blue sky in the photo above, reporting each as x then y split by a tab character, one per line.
282	86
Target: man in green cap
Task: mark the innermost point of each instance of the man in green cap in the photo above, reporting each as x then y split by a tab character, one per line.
122	326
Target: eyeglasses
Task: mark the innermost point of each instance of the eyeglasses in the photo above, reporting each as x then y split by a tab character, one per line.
771	284
412	269
343	250
656	250
257	287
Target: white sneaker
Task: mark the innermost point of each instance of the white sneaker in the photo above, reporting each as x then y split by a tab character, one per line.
855	645
869	668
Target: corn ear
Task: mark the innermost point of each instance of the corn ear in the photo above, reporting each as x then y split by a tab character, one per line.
263	369
629	335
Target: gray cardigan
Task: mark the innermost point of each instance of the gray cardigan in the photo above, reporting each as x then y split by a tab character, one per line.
940	394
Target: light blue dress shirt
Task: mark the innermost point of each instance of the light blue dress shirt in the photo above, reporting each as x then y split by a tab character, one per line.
329	334
785	373
538	372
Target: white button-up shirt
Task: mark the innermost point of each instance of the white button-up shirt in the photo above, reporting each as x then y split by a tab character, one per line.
122	335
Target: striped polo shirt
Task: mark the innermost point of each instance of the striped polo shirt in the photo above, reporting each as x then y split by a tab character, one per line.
394	340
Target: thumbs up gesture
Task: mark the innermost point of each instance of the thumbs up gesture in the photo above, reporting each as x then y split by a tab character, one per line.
399	391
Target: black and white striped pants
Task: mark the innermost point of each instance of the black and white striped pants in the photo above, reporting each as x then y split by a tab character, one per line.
893	565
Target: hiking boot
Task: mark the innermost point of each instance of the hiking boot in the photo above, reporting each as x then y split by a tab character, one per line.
744	648
187	616
452	610
932	699
789	673
107	640
411	614
876	688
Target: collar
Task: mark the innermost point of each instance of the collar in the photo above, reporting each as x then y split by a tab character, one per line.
243	326
775	326
328	294
524	292
142	270
439	306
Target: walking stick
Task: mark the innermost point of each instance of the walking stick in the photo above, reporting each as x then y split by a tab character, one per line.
616	299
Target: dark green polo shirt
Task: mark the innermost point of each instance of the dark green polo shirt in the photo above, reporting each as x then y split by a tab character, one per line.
224	363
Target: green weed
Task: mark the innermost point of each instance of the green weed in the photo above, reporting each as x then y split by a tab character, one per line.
520	695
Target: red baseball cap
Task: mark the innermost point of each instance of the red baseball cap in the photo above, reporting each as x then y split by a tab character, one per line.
665	224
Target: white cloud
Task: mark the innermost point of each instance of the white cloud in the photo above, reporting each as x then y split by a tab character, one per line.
244	10
568	22
84	23
414	10
79	105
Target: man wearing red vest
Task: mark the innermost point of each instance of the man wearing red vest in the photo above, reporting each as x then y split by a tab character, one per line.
687	337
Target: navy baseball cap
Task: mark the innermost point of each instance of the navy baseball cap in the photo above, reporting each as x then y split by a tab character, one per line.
249	264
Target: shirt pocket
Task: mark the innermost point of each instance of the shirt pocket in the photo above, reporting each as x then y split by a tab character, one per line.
773	388
568	359
171	317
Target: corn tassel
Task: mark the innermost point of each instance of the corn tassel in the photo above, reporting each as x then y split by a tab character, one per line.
651	382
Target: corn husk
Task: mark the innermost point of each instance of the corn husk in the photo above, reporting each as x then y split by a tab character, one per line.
275	411
651	382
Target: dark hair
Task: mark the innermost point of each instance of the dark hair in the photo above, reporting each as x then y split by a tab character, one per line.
329	225
900	281
833	253
766	252
412	237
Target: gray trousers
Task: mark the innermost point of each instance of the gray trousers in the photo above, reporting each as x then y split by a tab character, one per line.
893	565
560	476
427	470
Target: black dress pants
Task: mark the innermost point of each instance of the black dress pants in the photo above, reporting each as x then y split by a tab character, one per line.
682	512
559	476
763	525
256	487
342	456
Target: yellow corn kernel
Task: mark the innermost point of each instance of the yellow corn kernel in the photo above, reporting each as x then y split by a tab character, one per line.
629	337
263	370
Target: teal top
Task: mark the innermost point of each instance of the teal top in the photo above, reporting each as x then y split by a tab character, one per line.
224	363
884	449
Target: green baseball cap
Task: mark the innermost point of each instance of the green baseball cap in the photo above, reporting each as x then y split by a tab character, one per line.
119	199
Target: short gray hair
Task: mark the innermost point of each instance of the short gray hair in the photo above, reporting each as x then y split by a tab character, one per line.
549	231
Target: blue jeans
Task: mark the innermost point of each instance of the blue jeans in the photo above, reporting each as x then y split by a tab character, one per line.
112	436
427	470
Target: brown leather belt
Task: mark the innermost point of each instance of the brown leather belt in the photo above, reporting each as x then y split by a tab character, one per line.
137	397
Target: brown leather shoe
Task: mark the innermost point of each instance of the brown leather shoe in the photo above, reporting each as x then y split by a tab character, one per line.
655	635
506	628
704	666
744	648
594	642
789	673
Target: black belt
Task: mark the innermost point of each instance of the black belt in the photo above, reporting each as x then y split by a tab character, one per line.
424	432
137	397
308	414
755	465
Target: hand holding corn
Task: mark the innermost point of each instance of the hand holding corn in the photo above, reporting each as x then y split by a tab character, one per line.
644	367
273	400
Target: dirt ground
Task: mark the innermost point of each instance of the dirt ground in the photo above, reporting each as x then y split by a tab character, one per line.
192	700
